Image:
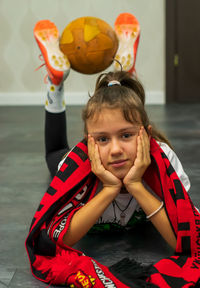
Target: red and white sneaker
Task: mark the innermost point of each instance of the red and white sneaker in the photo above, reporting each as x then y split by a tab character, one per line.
57	64
127	29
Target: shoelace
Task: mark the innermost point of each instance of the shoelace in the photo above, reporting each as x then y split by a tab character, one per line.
43	64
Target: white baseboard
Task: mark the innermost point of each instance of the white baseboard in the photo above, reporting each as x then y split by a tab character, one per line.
79	98
155	97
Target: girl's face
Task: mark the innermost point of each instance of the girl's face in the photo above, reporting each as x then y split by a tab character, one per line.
116	139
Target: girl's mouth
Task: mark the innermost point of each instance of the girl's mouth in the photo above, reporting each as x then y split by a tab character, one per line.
118	163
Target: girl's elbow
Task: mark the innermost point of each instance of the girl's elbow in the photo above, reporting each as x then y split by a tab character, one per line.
69	240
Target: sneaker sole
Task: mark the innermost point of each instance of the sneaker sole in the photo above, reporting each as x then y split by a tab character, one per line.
127	29
47	38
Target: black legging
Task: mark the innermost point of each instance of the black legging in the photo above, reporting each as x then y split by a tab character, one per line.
56	143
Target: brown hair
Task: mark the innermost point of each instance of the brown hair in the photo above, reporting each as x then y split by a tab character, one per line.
128	96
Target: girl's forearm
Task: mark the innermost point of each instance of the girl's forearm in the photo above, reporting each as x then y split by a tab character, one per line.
87	215
149	204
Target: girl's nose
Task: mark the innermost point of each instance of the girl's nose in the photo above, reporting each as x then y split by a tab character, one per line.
115	147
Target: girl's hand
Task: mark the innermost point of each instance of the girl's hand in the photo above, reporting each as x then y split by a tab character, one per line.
105	176
142	160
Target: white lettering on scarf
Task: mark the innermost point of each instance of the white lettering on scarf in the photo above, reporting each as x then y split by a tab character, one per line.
107	282
61	226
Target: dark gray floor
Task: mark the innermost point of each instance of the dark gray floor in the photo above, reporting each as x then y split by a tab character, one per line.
24	178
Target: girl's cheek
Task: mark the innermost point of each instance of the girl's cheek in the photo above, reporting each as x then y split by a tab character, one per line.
102	153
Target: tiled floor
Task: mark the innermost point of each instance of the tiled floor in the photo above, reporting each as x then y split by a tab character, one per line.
24	178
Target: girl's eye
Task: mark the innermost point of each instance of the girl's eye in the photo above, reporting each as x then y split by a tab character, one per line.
102	139
127	135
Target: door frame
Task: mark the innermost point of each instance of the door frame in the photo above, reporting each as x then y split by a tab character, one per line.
171	49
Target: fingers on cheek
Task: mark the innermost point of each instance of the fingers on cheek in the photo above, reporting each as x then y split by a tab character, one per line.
95	150
96	153
92	144
89	141
145	140
140	144
91	150
138	139
143	147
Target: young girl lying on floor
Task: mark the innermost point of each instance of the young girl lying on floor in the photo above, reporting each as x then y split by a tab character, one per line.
122	170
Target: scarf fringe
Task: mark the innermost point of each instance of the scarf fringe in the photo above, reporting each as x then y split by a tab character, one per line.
132	273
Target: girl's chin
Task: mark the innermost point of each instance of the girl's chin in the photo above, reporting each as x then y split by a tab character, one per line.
119	174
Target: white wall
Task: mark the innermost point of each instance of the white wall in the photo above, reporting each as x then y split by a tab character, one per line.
20	84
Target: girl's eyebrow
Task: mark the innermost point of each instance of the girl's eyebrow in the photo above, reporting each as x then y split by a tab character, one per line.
130	128
97	133
120	131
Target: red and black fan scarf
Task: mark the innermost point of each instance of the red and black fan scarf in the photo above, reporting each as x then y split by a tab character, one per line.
74	184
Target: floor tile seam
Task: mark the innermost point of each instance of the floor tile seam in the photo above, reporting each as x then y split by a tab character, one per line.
4	284
11	278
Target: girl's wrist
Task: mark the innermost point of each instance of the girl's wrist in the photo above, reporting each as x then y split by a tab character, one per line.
134	187
113	190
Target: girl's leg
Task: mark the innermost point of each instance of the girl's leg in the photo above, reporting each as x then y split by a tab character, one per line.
47	37
56	143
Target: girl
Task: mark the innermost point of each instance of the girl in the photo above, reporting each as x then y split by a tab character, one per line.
118	133
124	166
